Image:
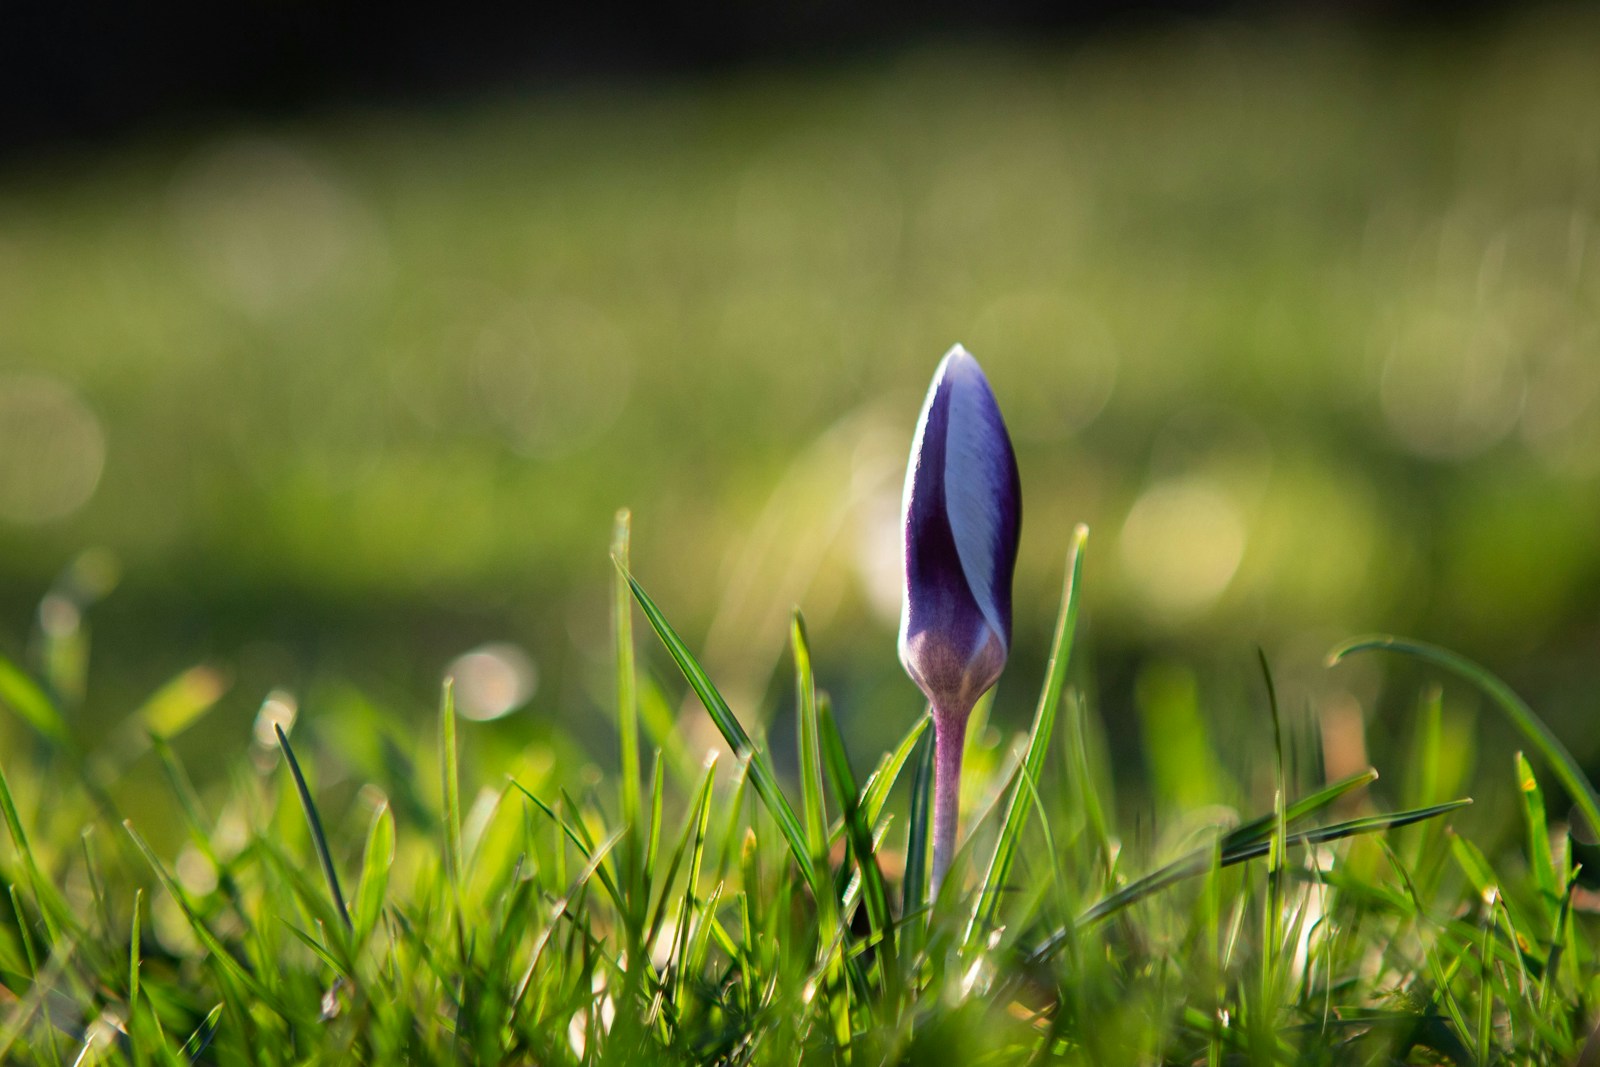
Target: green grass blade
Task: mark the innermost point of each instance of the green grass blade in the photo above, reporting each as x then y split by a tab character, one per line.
686	914
627	675
58	915
202	932
1475	865
1200	861
859	834
1086	788
319	840
134	951
914	889
812	805
875	794
652	843
698	811
1567	769
574	832
1261	827
761	772
1540	859
181	702
557	913
24	696
202	1037
987	905
376	863
450	782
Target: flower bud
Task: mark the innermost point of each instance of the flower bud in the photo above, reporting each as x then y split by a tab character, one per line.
962	516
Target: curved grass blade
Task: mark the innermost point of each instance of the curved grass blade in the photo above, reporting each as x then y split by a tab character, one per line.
579	837
318	838
225	959
1566	768
987	903
761	772
876	792
1200	861
57	913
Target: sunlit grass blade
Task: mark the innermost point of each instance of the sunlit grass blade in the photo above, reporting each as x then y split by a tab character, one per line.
575	832
1551	978
876	792
1475	865
376	863
450	782
204	1034
1198	862
811	795
987	904
319	839
557	913
1086	789
1540	859
690	904
627	676
761	772
202	932
1567	769
652	844
24	696
181	702
698	812
134	949
1262	827
57	914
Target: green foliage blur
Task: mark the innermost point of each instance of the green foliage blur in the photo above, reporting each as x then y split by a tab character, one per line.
1303	321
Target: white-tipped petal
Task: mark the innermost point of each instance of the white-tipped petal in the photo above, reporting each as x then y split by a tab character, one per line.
977	472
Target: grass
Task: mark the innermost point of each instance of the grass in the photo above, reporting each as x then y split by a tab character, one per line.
733	914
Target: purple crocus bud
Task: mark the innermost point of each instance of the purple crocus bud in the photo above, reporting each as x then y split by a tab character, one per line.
962	514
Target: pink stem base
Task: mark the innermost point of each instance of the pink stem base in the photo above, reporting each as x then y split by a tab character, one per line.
949	736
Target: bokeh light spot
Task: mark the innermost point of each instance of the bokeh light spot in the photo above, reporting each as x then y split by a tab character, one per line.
1181	545
1451	386
493	680
279	710
265	227
52	449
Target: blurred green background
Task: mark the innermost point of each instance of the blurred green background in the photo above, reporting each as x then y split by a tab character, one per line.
1302	320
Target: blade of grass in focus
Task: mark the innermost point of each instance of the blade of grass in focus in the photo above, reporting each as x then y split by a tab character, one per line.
1566	767
319	839
627	677
987	904
761	772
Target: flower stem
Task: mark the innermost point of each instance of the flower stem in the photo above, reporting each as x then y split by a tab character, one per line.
949	735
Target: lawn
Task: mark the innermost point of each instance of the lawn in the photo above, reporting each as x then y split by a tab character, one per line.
299	417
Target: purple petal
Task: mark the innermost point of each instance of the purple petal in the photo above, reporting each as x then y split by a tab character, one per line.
962	516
